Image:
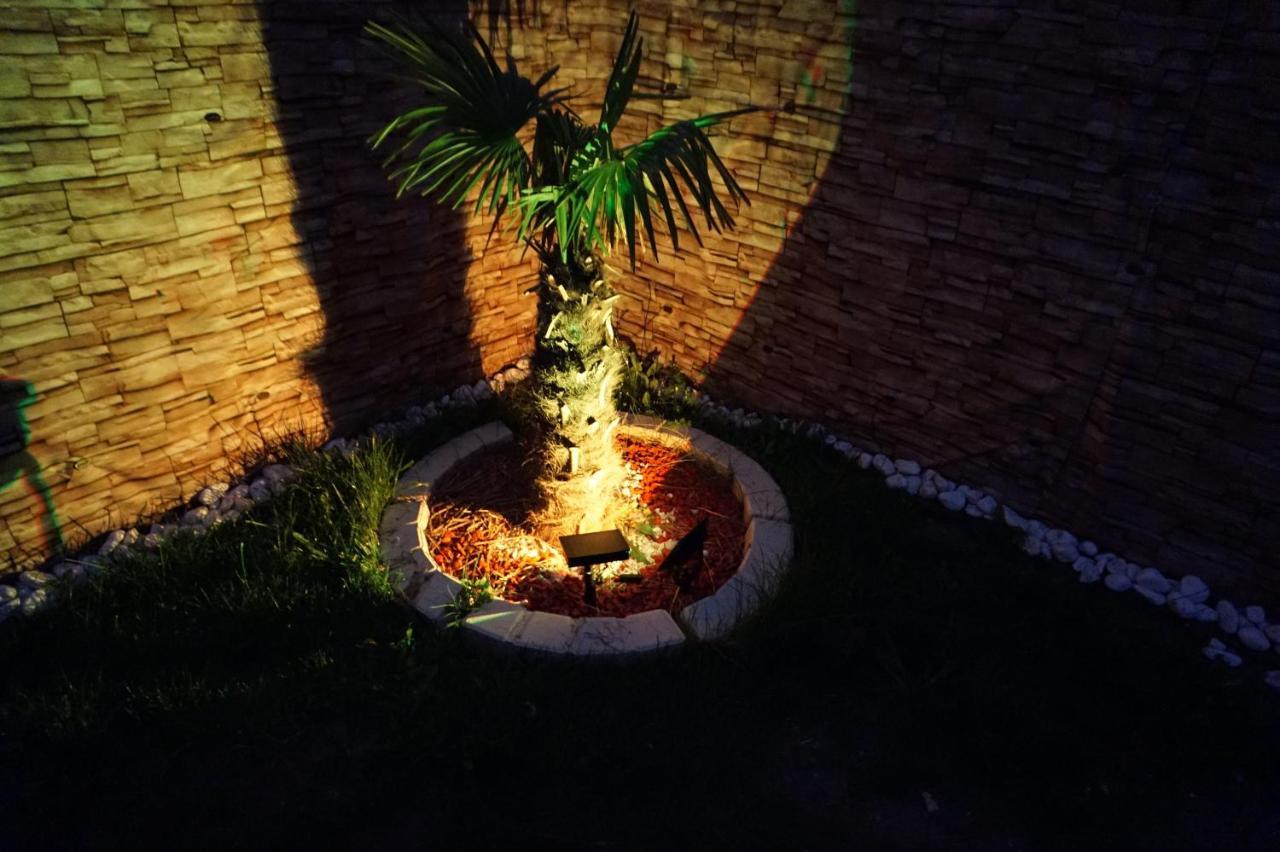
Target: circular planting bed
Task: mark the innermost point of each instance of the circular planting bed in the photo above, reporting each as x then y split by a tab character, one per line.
460	520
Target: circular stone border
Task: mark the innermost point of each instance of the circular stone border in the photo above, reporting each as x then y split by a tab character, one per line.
767	552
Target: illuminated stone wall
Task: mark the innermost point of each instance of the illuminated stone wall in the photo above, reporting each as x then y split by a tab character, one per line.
197	247
1033	248
1043	255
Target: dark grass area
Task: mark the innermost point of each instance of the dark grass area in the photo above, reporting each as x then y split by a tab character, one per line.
260	687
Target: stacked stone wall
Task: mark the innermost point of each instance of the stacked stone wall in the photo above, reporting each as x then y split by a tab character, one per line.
1033	244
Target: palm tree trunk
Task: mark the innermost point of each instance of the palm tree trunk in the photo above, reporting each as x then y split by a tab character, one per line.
577	368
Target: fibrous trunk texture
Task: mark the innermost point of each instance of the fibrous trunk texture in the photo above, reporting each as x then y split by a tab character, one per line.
577	369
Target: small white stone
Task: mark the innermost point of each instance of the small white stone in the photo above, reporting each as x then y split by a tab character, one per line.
195	517
1063	545
1153	596
1083	564
1256	614
131	537
7	593
30	581
988	505
973	511
864	461
1253	638
114	539
907	466
928	490
1217	644
260	490
1228	616
897	481
883	464
1037	529
1118	582
1206	614
1031	546
211	494
953	500
36	601
480	390
1232	659
1193	588
913	485
1088	548
844	448
1090	572
1183	607
1151	578
273	473
1013	519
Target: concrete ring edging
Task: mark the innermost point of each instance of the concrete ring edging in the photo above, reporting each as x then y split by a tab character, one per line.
768	549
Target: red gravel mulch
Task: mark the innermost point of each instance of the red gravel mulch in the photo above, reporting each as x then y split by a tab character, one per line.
480	529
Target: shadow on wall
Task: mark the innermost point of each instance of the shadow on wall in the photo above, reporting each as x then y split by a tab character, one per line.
16	462
967	278
389	274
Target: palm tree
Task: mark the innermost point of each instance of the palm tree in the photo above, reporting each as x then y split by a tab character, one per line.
569	194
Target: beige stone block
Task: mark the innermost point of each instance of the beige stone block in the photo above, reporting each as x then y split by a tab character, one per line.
113	265
31	203
202	99
55	151
51	328
33	238
250	142
127	164
89	202
132	66
13	82
218	33
87	89
144	185
13	318
181	78
245	67
149	223
205	220
95	286
241	100
197	183
25	292
159	36
26	43
41	112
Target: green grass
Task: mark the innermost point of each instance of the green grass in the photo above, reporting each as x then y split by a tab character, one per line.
261	685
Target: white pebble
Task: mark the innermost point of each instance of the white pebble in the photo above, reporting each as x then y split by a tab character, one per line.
1256	614
1151	578
1253	638
1088	548
195	517
883	464
114	539
987	505
908	467
1153	596
953	500
1118	582
897	481
1228	617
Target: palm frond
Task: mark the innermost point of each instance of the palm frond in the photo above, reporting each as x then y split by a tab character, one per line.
622	79
466	134
614	198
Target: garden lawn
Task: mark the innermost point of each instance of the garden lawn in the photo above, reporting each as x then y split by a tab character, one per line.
918	683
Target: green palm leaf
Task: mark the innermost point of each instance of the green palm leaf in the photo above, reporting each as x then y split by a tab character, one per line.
466	135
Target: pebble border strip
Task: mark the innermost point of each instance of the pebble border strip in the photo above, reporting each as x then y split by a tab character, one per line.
1188	597
768	549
